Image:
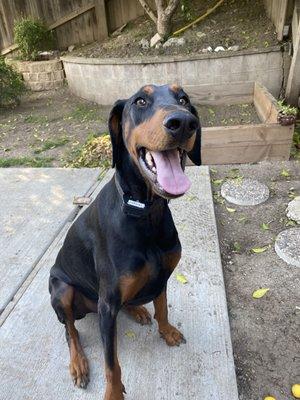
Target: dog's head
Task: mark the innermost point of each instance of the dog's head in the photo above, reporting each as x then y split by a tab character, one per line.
158	127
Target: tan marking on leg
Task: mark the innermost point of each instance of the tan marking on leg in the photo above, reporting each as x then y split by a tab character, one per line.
170	260
139	313
130	285
114	386
79	368
171	334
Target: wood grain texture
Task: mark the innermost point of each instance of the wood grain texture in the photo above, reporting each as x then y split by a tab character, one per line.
265	104
233	93
34	354
293	83
277	12
35	204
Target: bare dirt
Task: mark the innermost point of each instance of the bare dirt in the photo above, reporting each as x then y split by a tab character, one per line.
265	332
240	23
48	128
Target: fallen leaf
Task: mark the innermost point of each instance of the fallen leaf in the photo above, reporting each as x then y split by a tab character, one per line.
213	170
231	210
181	278
130	334
191	197
296	390
265	227
237	246
257	294
217	181
269	398
285	173
258	250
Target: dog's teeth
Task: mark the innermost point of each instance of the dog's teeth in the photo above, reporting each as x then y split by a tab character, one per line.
153	169
148	158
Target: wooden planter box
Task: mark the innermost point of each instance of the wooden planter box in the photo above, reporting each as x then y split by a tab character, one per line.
243	143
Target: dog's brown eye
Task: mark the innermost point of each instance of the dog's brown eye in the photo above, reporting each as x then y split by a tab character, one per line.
183	101
140	102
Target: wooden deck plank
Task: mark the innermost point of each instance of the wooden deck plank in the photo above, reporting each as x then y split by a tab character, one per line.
34	354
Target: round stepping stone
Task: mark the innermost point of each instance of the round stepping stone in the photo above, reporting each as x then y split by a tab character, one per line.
245	192
293	210
287	246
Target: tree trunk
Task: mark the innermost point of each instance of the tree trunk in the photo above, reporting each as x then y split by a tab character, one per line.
164	26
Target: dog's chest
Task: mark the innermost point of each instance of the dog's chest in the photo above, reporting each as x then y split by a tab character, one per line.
152	279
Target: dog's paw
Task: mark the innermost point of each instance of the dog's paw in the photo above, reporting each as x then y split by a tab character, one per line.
139	313
172	335
79	370
114	393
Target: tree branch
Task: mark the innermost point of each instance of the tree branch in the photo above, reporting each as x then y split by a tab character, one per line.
148	10
171	8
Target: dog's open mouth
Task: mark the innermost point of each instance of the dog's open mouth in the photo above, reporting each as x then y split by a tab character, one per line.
166	170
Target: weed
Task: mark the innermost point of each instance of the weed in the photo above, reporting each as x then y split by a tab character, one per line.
36	119
51	144
37	162
85	113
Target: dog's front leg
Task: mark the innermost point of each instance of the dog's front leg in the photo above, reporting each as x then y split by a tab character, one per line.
171	334
108	315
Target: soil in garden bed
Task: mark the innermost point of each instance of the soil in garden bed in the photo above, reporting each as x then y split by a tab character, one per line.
242	23
231	114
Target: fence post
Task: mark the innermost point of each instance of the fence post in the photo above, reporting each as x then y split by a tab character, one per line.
100	11
293	83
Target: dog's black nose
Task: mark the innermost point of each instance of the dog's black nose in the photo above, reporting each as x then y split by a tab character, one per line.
181	125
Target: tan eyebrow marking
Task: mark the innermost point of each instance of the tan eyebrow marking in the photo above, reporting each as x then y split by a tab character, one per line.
175	88
148	89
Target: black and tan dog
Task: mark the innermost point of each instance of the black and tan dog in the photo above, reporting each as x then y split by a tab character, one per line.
122	249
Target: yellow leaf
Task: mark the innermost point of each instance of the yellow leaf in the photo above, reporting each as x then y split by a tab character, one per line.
181	278
296	390
285	173
257	294
259	250
269	398
231	210
130	334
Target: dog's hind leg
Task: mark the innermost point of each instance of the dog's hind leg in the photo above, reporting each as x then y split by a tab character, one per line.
62	300
139	313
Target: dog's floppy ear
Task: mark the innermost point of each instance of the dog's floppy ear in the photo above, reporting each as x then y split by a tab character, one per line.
195	153
115	130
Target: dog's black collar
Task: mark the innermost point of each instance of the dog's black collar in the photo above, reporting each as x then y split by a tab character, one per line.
132	207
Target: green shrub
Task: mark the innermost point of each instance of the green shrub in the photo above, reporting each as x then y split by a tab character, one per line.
11	84
32	36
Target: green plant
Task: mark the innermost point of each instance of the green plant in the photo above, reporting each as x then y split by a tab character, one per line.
187	10
11	84
32	36
37	162
96	152
286	109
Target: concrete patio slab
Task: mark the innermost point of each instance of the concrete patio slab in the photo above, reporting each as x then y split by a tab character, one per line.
35	204
34	354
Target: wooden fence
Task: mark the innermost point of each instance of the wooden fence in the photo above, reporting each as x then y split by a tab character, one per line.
279	11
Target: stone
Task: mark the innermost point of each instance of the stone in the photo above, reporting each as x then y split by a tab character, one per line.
245	192
200	34
234	48
155	39
207	50
175	42
293	209
71	48
144	43
219	48
287	246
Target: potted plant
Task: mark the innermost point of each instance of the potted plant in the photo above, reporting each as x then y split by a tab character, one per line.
287	114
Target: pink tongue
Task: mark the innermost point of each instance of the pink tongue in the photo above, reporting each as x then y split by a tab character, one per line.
169	172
